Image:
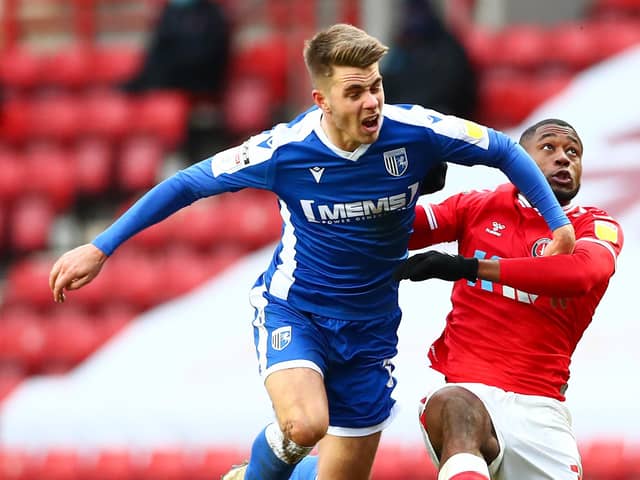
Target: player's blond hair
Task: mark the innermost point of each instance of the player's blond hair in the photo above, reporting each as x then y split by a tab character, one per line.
341	45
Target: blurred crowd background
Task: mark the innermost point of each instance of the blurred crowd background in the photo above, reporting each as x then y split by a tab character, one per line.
101	99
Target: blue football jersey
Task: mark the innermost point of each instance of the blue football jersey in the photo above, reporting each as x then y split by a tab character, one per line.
347	216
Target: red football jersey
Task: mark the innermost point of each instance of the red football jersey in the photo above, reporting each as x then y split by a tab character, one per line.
504	336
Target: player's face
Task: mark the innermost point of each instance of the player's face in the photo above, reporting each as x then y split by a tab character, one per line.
558	153
352	103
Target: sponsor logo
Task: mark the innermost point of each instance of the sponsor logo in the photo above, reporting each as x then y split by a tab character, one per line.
396	161
358	210
538	247
281	338
496	229
317	173
473	130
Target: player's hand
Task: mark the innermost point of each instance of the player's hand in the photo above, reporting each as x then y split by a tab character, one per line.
564	240
75	269
434	264
434	180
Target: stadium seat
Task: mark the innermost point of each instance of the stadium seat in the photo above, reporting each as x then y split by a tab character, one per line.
15	464
614	36
57	464
22	339
501	99
398	463
30	224
163	115
92	167
20	68
13	177
522	46
138	164
602	459
49	169
113	65
167	465
28	282
112	465
571	45
247	106
214	463
202	224
70	67
184	269
134	278
481	47
70	336
106	114
55	117
15	120
252	222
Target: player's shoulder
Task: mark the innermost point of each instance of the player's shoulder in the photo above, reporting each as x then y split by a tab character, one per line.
597	223
589	213
436	124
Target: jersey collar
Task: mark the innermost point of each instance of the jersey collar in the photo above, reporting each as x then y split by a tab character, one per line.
526	204
353	156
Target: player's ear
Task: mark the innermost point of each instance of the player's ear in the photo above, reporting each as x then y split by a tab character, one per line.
321	100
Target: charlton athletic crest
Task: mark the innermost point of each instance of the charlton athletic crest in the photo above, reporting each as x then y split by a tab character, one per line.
396	161
538	247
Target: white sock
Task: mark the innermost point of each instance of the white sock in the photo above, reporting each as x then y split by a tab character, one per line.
464	466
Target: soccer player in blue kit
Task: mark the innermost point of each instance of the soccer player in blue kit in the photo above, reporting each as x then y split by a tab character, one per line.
347	174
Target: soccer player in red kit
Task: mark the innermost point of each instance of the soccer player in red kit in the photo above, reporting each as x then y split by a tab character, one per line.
516	319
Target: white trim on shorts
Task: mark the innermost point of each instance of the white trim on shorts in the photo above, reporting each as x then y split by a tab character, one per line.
364	431
292	364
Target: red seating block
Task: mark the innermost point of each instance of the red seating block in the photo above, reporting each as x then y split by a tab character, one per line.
112	465
57	118
20	68
107	114
92	167
70	67
49	170
572	45
115	64
22	338
163	115
522	46
30	223
246	106
138	164
28	282
167	465
12	180
14	464
70	336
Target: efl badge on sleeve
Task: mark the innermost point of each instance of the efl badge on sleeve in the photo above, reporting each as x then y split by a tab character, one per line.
281	338
396	161
606	231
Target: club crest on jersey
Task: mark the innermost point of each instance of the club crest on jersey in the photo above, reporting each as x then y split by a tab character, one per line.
538	247
396	161
281	338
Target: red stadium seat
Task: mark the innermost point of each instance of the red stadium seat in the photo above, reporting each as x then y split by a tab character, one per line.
14	464
167	465
56	117
522	46
58	464
162	114
107	114
70	67
30	224
247	106
134	279
12	180
15	120
252	223
502	102
112	465
214	463
28	282
70	336
115	64
614	36
50	172
481	47
22	338
202	224
21	68
138	165
602	459
92	167
571	45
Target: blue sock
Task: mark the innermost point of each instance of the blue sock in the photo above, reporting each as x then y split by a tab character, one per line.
306	469
263	464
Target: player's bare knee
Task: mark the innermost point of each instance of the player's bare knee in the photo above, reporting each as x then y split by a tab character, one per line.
305	431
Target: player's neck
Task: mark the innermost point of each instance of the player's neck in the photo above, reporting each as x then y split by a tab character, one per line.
336	136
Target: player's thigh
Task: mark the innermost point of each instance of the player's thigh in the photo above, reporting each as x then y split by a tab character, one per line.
347	458
298	395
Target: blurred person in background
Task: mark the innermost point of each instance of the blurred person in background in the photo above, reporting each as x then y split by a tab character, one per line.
348	173
428	65
516	320
188	50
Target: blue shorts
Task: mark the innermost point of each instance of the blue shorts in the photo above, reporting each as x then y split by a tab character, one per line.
354	358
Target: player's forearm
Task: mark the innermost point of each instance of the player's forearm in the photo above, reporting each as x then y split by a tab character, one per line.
560	275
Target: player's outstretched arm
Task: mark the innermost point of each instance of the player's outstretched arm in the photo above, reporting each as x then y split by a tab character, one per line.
75	269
